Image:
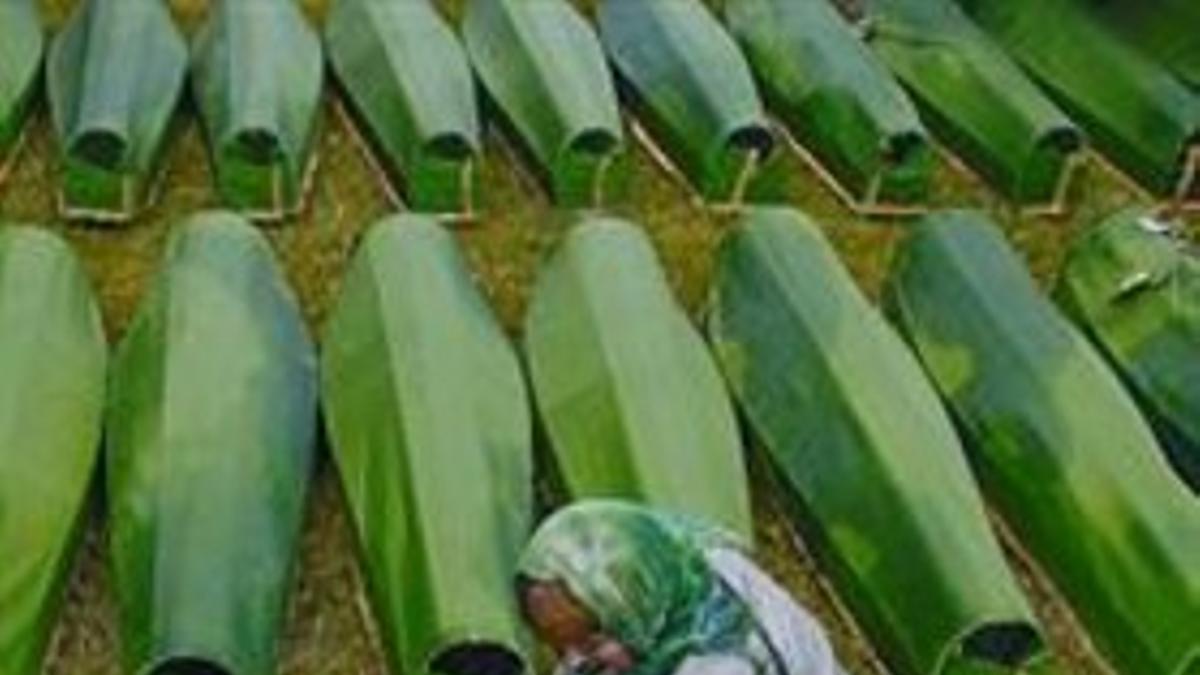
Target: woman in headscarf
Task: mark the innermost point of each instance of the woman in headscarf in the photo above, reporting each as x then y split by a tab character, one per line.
615	588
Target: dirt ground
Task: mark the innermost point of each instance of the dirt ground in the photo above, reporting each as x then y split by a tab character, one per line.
329	631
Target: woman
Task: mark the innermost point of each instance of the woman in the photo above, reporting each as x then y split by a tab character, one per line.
615	588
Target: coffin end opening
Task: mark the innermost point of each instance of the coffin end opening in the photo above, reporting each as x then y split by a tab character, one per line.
477	658
1063	140
1009	644
102	148
753	137
257	146
595	142
902	148
451	147
189	666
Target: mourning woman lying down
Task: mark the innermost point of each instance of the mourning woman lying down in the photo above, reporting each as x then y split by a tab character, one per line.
619	589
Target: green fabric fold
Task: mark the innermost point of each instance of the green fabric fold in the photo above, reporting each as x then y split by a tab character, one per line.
1058	445
431	432
114	77
211	432
52	354
407	81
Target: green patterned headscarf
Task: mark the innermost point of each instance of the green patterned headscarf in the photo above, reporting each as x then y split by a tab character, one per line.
644	578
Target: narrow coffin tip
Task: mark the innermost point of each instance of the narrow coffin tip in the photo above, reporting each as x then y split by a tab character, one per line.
477	658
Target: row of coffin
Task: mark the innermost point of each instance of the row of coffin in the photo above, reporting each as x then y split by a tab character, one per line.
210	411
992	81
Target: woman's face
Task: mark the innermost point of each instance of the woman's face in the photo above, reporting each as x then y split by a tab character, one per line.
558	619
563	623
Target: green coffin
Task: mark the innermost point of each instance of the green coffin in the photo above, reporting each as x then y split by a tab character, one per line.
1165	29
114	77
544	69
407	81
976	99
692	87
632	402
1134	288
211	429
1143	119
867	459
257	74
430	424
839	102
1059	446
21	45
52	354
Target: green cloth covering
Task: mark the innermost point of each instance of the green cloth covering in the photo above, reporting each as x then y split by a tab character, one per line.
691	86
407	82
1135	111
114	77
257	78
838	100
975	98
1167	30
20	61
53	356
1133	286
544	69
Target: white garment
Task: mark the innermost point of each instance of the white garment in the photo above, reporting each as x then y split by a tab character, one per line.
715	665
793	636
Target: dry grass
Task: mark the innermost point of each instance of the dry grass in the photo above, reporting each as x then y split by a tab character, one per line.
327	631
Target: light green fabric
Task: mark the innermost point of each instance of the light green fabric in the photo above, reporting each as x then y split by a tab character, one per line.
20	59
